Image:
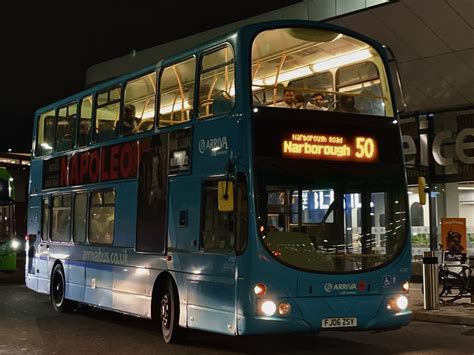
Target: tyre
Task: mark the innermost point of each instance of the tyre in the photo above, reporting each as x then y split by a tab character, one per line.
169	313
58	290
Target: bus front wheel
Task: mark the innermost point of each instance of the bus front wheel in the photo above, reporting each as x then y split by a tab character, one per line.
169	313
58	290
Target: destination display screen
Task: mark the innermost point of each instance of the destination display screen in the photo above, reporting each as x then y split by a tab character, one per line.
330	147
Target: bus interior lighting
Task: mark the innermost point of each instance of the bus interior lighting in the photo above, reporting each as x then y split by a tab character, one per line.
321	66
287	76
342	60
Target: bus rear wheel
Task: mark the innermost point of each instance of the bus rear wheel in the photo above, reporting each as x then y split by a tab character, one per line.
169	314
58	290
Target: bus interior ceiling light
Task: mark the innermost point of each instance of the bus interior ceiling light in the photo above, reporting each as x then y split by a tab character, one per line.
321	66
342	60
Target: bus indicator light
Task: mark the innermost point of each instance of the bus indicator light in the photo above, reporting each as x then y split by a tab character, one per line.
330	147
284	308
260	289
406	286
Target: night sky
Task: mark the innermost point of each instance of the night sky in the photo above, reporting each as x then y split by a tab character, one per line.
46	48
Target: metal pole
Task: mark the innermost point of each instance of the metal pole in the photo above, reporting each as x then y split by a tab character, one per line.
433	224
430	280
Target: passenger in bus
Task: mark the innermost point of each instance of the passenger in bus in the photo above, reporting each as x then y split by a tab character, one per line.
299	101
288	99
130	122
346	104
84	133
317	102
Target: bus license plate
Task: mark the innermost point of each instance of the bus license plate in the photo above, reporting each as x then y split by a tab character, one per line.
339	322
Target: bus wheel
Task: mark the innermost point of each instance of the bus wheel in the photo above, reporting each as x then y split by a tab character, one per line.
169	313
57	291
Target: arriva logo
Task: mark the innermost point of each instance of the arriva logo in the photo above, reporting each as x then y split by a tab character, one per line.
329	287
214	145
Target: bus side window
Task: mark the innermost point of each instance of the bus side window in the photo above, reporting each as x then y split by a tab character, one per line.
45	133
217	82
107	114
45	220
61	218
66	127
102	217
177	92
80	218
141	94
218	228
84	133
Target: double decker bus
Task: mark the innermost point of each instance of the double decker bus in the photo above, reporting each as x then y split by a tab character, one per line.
187	193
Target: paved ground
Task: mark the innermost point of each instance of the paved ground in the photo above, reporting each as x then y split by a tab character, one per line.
29	325
459	312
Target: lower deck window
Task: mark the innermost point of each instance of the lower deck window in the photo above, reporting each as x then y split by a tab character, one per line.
102	217
61	218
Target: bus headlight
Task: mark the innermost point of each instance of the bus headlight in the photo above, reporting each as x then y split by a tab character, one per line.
269	308
14	244
399	303
402	303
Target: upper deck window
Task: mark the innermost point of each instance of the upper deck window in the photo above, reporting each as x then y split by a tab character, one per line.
177	92
66	127
45	133
317	69
107	114
216	84
85	119
140	99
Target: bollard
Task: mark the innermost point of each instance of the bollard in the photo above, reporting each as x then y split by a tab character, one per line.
471	275
430	280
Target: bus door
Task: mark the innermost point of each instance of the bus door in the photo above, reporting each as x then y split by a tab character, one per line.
205	237
217	253
33	234
42	254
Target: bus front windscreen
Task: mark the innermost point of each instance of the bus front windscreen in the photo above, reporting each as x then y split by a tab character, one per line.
332	220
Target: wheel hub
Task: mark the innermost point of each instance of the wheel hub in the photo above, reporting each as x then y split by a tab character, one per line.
165	310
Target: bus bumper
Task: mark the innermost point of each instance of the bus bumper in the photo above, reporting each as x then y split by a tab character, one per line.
269	325
308	315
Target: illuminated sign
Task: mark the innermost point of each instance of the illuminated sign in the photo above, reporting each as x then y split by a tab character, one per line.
330	147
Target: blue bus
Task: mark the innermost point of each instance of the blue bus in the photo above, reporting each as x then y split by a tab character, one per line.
253	184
